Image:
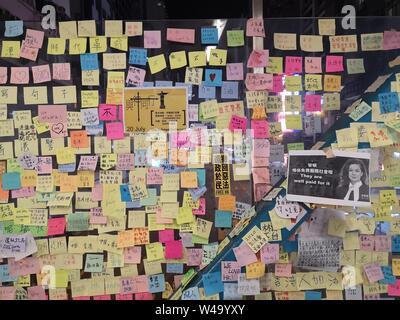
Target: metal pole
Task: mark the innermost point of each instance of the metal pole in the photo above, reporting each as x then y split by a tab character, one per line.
258	42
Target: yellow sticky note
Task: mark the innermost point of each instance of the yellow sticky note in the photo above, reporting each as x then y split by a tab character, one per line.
157	63
194	75
113	28
177	59
77	45
378	137
120	43
10	49
351	241
396	267
56	46
218	57
64	94
293	122
89	98
35	95
332	83
68	29
311	43
275	65
185	215
209	109
87	28
255	239
8	94
336	227
115	80
98	44
327	27
90	77
114	61
388	198
255	270
313	82
188	179
202	228
197	59
347	138
292	103
293	83
65	155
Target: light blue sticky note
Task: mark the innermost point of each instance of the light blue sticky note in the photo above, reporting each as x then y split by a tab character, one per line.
209	35
389	278
141	157
11	181
313	295
162	83
212	283
223	219
151	199
5	274
188	86
176	268
125	194
229	90
206	92
197	193
67	167
213	77
94	262
156	283
95	130
396	243
89	61
14	28
201	176
389	102
133	205
191	294
138	56
78	221
148	84
231	291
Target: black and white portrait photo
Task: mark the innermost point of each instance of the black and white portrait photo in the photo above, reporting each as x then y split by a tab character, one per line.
341	180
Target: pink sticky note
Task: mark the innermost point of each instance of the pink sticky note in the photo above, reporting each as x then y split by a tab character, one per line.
277	84
180	35
52	113
154	176
394	289
283	270
23	267
115	130
135	76
261	148
120	114
7	293
383	243
230	270
312	103
19	75
373	272
160	219
259	129
259	161
125	161
141	284
28	52
58	130
391	40
366	243
244	255
3	75
293	65
128	296
255	27
97	192
234	71
165	235
96	216
144	296
237	123
258	59
44	165
34	38
56	226
36	293
179	139
173	249
23	192
41	73
152	39
313	64
334	64
177	280
132	255
81	298
102	297
261	175
259	81
201	210
270	253
195	256
61	71
107	112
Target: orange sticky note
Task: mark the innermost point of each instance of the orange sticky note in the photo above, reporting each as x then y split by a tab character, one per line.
227	202
188	179
79	139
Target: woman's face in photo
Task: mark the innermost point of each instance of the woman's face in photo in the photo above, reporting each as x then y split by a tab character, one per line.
355	173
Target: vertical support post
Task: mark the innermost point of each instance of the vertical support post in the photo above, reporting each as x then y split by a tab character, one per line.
258	42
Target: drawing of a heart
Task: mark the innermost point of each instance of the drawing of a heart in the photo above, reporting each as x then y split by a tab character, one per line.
212	76
57	128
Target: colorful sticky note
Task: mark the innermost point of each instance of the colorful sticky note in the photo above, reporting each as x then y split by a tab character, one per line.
389	102
255	27
173	249
89	61
223	219
312	103
13	28
209	35
180	35
212	283
152	39
138	56
11	181
213	77
334	64
115	130
157	63
235	38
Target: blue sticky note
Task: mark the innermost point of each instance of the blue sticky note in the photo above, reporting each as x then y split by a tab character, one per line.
148	84
389	102
14	28
191	294
95	129
229	90
175	268
5	274
67	167
11	181
125	194
209	35
89	61
188	86
389	278
396	243
161	83
223	219
213	78
133	205
197	193
313	295
138	56
141	157
206	92
201	177
156	283
290	246
212	283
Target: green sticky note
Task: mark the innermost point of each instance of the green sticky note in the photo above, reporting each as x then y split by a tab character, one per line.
199	240
78	221
235	38
295	146
94	263
14	166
